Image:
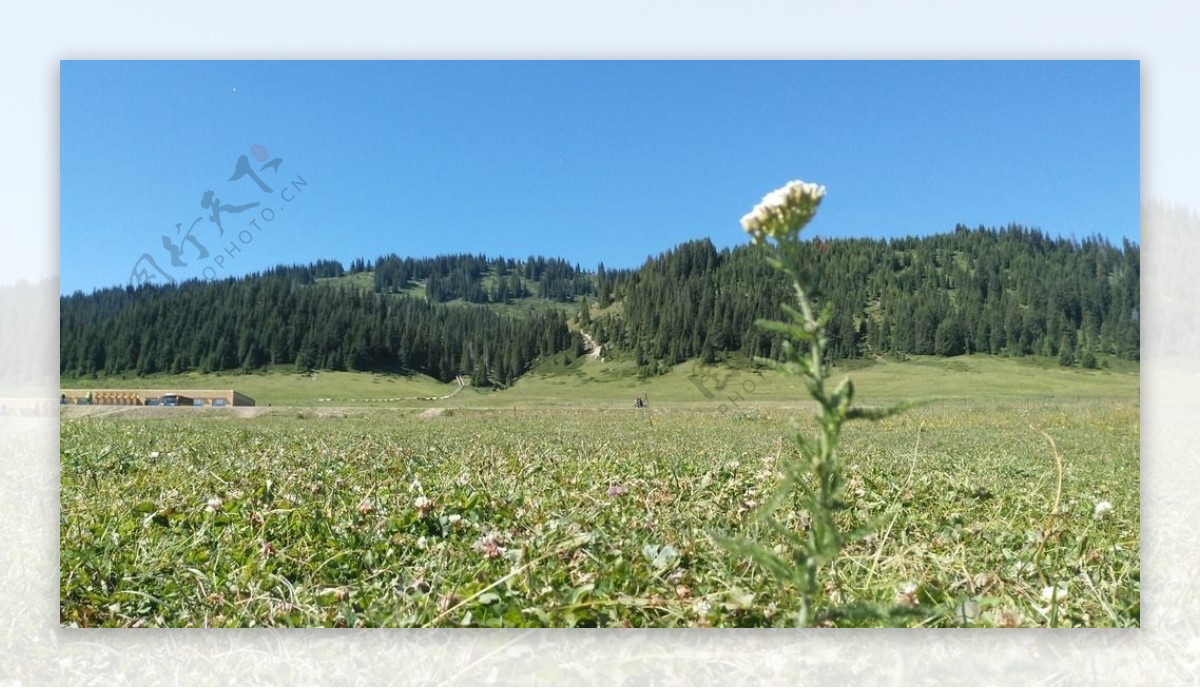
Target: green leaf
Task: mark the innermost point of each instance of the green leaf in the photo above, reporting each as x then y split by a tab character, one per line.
861	413
660	557
578	594
793	331
738	599
788	534
768	560
794	314
666	556
145	507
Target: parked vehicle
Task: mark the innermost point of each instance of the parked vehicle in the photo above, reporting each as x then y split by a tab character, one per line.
176	400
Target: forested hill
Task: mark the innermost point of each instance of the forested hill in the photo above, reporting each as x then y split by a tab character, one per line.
1013	291
1009	291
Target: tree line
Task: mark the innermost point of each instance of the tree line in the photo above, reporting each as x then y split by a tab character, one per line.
282	318
1012	291
1009	291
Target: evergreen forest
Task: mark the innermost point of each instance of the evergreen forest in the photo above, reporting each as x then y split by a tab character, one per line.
1009	291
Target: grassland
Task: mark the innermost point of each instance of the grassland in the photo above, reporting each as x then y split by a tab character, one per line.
555	503
594	383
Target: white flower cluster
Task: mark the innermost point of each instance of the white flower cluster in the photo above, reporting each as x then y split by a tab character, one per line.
783	212
489	545
424	505
1103	509
1054	593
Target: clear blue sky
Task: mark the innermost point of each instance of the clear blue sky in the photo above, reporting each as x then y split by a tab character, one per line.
589	161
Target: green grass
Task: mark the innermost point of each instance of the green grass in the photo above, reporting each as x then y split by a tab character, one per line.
594	383
963	379
318	521
597	518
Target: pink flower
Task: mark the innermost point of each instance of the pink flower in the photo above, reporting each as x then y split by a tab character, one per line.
489	546
616	490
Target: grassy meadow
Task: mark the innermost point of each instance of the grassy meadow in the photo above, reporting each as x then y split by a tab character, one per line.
592	383
555	503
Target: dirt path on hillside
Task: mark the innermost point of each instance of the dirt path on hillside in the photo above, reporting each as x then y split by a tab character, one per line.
593	349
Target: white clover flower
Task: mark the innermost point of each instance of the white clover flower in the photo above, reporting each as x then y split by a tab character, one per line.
1051	592
424	505
489	546
783	212
907	594
454	518
213	505
1103	509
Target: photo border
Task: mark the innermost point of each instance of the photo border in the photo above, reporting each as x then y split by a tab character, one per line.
34	650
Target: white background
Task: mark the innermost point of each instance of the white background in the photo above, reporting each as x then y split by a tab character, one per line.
33	38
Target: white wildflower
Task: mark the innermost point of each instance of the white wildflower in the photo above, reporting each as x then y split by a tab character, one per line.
1103	509
1051	592
213	505
454	518
907	595
489	545
783	212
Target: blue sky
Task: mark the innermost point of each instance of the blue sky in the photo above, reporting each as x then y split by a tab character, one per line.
589	161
